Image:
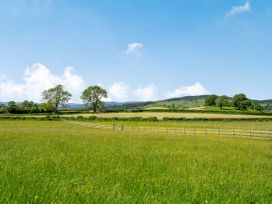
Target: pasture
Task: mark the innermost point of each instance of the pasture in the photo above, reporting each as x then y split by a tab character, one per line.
161	115
59	162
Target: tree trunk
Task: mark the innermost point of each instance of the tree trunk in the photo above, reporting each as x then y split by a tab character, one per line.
94	107
56	108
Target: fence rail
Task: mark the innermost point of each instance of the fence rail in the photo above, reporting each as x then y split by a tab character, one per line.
249	134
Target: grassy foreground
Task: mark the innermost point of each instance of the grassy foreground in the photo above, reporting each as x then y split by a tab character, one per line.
56	162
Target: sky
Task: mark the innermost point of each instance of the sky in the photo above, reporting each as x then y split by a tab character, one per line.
137	50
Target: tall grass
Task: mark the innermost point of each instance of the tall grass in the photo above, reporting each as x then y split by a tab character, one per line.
52	162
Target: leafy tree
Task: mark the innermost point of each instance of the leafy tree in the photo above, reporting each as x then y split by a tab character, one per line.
256	106
210	100
46	107
2	108
56	96
222	101
12	107
93	96
28	106
241	102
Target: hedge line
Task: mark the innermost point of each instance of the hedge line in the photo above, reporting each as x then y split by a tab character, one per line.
132	119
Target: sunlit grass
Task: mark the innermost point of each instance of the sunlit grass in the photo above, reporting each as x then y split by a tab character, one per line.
61	162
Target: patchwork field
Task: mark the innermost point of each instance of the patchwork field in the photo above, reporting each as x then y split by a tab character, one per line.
56	162
161	115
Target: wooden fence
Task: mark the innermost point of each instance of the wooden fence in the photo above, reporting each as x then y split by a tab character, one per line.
250	134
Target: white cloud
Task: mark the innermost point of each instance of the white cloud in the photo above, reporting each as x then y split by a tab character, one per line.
146	93
240	9
38	78
119	92
122	92
134	48
194	90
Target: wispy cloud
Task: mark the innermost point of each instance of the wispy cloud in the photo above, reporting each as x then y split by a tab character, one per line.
235	10
134	48
193	90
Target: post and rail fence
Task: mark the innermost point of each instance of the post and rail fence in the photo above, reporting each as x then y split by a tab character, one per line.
249	134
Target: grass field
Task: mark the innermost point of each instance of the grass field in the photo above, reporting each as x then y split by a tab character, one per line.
56	162
233	125
161	115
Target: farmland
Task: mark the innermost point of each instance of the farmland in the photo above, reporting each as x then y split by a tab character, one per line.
60	162
161	115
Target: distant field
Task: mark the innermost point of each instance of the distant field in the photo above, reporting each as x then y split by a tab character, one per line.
56	162
234	125
161	115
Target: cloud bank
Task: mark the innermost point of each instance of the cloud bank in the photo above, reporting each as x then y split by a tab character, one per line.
38	78
122	92
194	90
235	10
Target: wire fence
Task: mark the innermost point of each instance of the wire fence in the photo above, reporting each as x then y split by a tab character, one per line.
248	134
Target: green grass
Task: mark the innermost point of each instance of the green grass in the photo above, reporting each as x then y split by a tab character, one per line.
56	162
236	125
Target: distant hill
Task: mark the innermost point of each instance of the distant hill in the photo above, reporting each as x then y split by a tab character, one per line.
186	102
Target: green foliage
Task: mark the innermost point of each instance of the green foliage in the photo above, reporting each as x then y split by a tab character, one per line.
256	106
77	164
210	100
56	96
93	96
12	107
28	107
222	101
241	102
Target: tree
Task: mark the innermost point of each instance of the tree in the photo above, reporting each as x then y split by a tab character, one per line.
241	102
28	107
12	107
222	101
56	96
210	100
93	96
256	106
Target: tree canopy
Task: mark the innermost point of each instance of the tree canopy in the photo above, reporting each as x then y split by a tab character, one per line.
241	102
210	100
93	95
56	96
222	101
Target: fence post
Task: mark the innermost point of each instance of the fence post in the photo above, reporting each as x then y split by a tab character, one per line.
122	127
113	127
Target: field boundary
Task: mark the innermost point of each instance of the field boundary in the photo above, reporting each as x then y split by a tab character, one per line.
247	134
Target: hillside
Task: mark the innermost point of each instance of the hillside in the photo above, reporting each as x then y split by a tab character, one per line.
186	102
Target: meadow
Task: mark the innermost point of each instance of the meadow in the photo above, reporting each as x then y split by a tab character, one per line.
60	162
161	115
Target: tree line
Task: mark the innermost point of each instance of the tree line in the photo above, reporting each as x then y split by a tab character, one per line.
55	97
238	101
92	96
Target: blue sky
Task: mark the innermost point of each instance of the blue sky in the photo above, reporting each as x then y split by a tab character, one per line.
136	49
